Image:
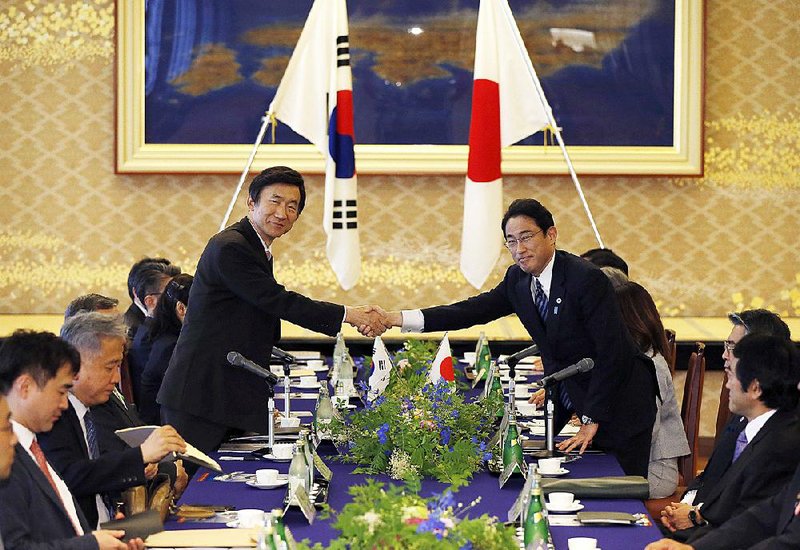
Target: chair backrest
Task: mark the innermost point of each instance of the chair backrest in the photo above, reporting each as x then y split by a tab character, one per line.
672	345
723	412
690	410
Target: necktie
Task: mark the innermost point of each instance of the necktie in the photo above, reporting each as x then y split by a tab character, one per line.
741	443
91	435
541	301
41	461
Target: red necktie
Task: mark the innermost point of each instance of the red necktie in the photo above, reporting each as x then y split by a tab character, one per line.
41	461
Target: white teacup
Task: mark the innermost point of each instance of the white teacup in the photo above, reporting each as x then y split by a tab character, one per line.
282	450
582	543
520	390
290	422
526	409
469	356
314	363
308	381
561	500
267	476
549	465
250	517
277	370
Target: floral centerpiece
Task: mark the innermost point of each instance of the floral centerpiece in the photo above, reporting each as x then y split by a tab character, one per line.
391	517
416	428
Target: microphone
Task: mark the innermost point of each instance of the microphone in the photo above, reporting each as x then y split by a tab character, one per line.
279	355
238	360
584	365
512	360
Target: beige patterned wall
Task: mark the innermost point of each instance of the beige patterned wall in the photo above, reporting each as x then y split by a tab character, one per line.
69	225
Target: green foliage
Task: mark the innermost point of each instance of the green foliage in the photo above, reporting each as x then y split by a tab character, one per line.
395	517
417	429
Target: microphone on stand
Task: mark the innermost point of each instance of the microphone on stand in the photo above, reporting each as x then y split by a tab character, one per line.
584	365
512	360
238	360
287	358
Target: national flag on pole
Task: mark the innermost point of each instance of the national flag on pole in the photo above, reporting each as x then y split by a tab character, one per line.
381	369
315	98
442	366
506	107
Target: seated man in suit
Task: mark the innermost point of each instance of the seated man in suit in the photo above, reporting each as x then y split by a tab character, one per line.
72	445
756	457
773	523
8	440
91	302
569	308
36	506
751	321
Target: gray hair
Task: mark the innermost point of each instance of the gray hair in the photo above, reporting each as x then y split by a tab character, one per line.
86	330
617	276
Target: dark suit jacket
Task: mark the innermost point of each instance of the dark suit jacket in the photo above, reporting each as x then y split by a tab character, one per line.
763	469
138	356
583	320
153	375
32	515
769	525
111	416
112	472
236	306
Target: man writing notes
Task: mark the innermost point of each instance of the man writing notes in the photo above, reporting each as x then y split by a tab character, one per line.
237	305
568	307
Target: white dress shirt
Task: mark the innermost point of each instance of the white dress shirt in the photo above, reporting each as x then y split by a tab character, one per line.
26	438
80	409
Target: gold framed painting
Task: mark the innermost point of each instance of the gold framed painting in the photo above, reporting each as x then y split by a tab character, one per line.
624	79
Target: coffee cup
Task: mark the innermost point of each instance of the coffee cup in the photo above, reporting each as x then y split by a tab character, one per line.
277	370
290	422
561	500
308	381
520	390
549	465
282	450
314	363
266	476
582	543
250	517
526	409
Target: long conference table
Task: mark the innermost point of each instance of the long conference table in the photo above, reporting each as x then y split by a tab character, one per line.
205	490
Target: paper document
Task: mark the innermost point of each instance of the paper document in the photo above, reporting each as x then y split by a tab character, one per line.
136	436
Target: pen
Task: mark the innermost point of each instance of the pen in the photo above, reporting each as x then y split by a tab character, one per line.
239	458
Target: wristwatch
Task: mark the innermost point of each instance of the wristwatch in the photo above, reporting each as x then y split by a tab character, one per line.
587	420
695	519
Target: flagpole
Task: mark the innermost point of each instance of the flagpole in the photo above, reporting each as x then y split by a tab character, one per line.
265	120
553	124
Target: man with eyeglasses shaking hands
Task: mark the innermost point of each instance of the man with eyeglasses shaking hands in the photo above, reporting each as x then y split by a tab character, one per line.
569	309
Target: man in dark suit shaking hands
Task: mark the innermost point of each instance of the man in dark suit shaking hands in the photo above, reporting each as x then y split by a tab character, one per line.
568	307
237	305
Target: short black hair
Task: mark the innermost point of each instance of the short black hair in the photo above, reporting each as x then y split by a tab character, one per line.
149	278
530	208
761	321
605	257
138	266
775	363
39	354
89	302
278	174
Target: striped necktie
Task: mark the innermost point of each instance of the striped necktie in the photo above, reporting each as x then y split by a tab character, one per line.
91	435
540	298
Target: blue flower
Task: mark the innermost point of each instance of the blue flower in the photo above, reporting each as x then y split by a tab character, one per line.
467	546
474	440
382	431
455	413
379	401
487	456
446	436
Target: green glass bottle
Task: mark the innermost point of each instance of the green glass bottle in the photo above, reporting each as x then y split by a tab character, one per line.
483	357
496	391
536	533
323	414
512	450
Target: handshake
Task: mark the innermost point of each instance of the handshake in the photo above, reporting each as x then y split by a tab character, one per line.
372	321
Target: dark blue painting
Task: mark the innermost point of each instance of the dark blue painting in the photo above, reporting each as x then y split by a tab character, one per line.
212	67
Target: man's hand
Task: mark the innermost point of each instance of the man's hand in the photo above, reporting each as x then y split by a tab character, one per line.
369	320
160	443
581	439
537	398
110	540
667	544
181	479
676	516
150	471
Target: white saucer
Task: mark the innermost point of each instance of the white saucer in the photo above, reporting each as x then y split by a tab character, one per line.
235	524
313	386
282	480
275	459
560	472
574	507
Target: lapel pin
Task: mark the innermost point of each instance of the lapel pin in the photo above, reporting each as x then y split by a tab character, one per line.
558	300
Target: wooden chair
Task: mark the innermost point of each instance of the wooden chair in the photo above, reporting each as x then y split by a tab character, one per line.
723	412
690	410
690	414
672	345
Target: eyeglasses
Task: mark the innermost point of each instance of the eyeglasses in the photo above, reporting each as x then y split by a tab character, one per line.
729	345
512	244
